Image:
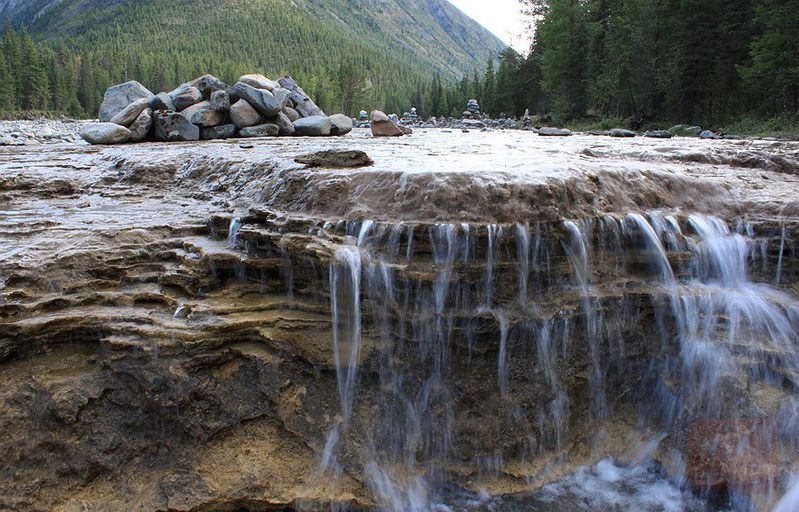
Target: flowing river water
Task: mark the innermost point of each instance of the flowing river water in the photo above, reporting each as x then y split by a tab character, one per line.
479	322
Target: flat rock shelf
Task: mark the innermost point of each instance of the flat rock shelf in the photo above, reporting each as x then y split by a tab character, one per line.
496	322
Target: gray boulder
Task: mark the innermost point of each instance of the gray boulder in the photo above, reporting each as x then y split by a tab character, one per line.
302	102
313	126
263	101
707	134
104	133
220	101
120	96
262	130
259	82
203	115
141	127
658	134
547	131
174	127
284	124
130	113
243	115
340	124
224	131
185	96
621	132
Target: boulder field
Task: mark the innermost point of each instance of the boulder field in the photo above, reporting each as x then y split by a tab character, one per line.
206	108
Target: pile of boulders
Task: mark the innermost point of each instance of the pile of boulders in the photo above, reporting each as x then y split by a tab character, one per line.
41	131
206	108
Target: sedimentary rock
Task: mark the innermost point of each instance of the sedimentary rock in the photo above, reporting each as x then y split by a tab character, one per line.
118	97
263	101
303	103
174	127
340	124
185	96
335	159
261	130
243	115
105	133
130	113
313	126
142	126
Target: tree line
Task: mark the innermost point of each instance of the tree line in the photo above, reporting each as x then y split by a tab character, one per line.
699	61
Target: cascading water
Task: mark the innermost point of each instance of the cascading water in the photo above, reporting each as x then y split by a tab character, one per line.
433	317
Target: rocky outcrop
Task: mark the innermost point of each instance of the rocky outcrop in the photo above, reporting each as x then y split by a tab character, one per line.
209	108
335	159
182	331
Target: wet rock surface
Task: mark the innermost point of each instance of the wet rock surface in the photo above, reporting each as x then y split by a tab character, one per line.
173	319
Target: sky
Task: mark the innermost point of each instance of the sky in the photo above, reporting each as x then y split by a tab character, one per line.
502	17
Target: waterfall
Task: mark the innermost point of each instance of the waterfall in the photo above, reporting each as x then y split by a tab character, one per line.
423	302
233	232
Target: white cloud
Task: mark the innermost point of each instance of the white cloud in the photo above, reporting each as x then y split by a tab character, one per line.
502	17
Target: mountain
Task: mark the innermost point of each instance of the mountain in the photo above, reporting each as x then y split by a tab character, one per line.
392	47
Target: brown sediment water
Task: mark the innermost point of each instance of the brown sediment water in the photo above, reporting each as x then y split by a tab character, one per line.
490	321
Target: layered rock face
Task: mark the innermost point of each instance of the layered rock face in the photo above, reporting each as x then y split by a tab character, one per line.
202	327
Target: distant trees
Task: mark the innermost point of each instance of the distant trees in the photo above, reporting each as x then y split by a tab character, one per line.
703	61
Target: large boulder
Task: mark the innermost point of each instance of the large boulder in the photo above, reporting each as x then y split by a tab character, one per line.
341	124
302	102
185	96
161	101
683	130
383	126
262	130
224	131
104	133
259	82
120	96
203	115
284	124
130	113
174	127
313	126
263	101
220	101
141	127
243	115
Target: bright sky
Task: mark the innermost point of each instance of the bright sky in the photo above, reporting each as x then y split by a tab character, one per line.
502	17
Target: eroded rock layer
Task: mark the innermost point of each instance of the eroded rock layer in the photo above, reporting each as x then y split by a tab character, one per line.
206	327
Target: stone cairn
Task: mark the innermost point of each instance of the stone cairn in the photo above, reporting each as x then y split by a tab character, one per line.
206	108
472	110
